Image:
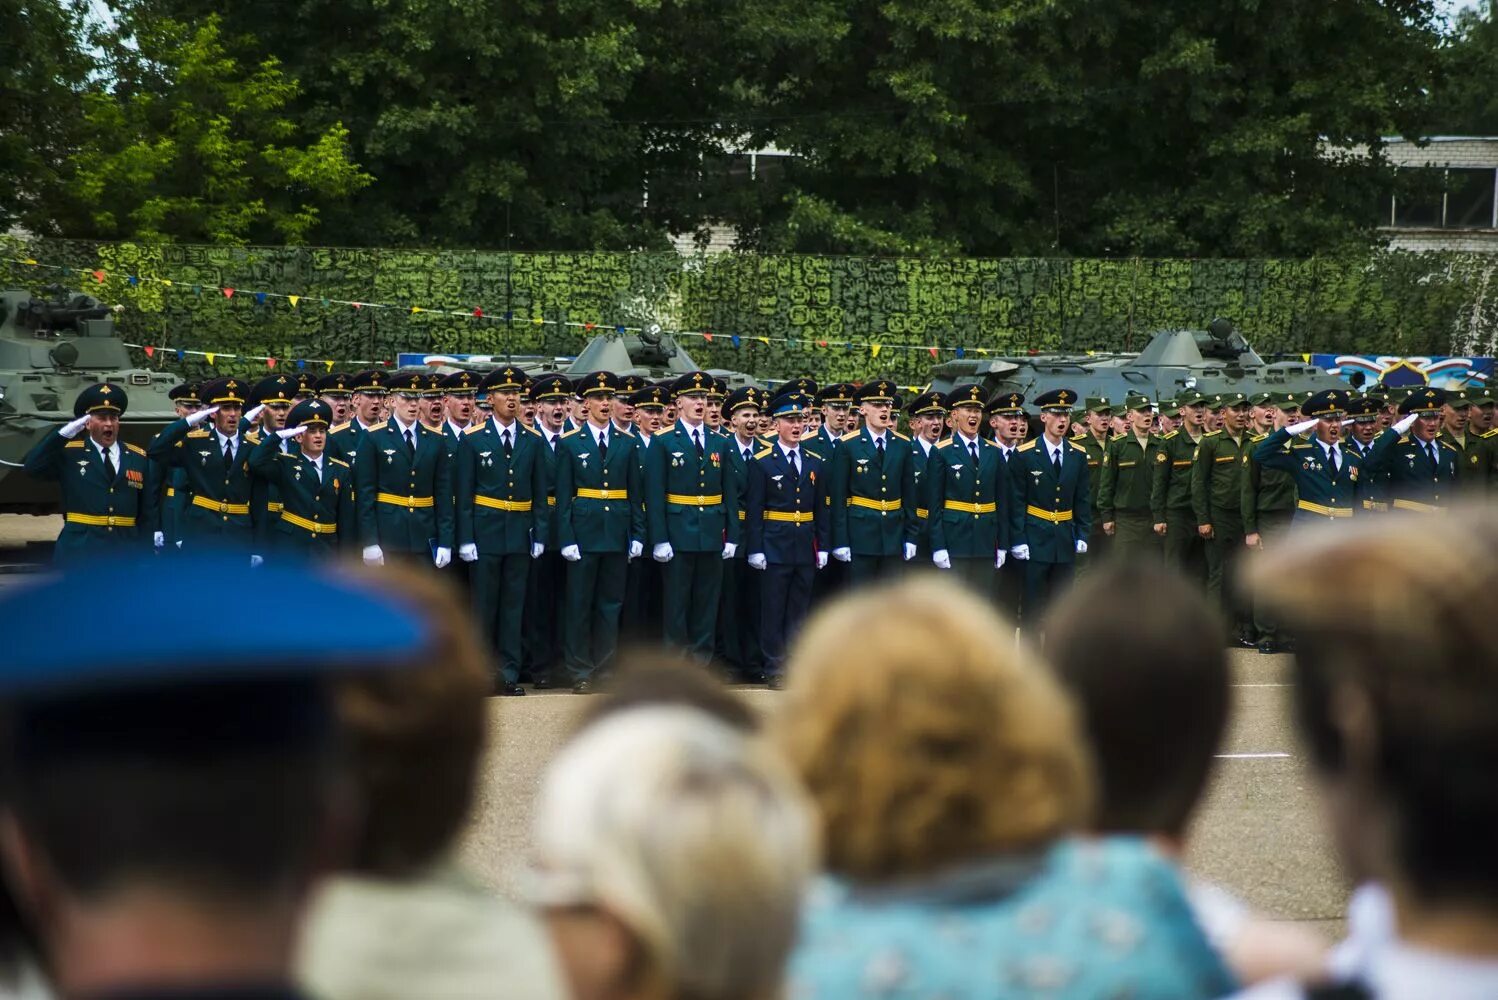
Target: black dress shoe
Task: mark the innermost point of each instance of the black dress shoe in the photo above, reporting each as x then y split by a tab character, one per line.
776	683
751	677
513	691
583	687
1268	648
543	684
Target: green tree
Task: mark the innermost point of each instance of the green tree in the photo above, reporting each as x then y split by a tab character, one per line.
184	141
1467	103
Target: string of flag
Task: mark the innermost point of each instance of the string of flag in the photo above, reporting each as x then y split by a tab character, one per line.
478	313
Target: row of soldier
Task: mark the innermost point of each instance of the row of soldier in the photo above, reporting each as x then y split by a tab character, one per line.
714	519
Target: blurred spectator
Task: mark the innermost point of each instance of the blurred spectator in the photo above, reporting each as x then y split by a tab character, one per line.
1396	693
947	770
672	854
173	792
1140	669
646	676
405	920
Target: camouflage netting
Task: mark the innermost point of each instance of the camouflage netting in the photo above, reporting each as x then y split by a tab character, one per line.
820	315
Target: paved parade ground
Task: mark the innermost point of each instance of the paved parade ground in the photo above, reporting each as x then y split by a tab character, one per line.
1259	834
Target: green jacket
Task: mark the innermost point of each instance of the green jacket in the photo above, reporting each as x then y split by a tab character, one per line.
1171	486
501	499
738	473
873	501
599	506
343	440
317	514
218	509
1126	477
1096	450
1265	491
1414	482
1217	477
1321	493
404	504
1475	460
1035	489
967	500
100	514
691	500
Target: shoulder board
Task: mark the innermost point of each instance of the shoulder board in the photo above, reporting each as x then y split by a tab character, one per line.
1303	446
74	444
287	454
764	454
813	454
200	433
339	461
568	434
1211	434
944	443
628	434
1028	445
379	426
1171	435
475	429
341	427
850	436
531	429
1404	439
902	437
137	449
1490	433
253	437
1448	447
1078	447
1258	437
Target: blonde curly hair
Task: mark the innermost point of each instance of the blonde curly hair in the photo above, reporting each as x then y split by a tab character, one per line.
925	735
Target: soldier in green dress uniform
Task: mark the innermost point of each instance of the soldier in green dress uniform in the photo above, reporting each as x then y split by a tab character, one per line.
1097	425
873	490
1469	447
316	489
1328	478
544	592
1006	419
1268	506
1362	430
216	460
169	486
738	608
967	496
1050	516
600	527
367	398
641	618
1422	470
333	389
403	482
501	480
927	417
1126	480
692	513
1217	498
269	403
1170	492
106	505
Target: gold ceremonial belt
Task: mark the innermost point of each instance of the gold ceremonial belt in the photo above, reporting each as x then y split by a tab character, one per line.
793	516
602	494
922	513
1375	505
514	506
302	522
741	515
409	502
682	500
1424	508
102	520
275	508
975	508
171	492
219	506
884	505
1323	510
551	501
1054	516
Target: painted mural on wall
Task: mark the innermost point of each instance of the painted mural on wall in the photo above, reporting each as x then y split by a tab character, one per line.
1404	371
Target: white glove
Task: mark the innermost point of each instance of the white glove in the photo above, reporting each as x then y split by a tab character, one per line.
662	553
1081	547
909	551
179	543
729	548
843	554
256	561
942	558
821	560
443	557
253	412
290	432
998	560
1298	429
159	540
1021	552
757	560
636	550
374	555
537	549
70	430
193	419
468	552
572	553
1405	423
1347	421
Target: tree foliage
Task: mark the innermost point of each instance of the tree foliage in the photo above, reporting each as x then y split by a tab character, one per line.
1467	102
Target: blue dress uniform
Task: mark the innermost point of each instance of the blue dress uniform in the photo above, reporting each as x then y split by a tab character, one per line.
217	469
1009	580
967	496
343	439
1421	475
106	505
739	606
1327	488
1373	490
502	483
265	493
403	490
317	499
599	512
691	506
544	589
872	484
1049	512
786	524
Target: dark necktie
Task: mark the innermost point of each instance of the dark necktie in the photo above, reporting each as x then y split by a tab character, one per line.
603	446
1430	449
1335	459
1056	462
748	454
411	443
228	453
879	447
697	440
504	437
109	469
973	450
795	465
551	439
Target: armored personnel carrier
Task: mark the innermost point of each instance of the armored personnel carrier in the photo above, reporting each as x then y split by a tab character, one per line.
1217	359
50	350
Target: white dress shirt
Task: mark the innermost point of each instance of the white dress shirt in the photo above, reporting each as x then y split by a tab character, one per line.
112	453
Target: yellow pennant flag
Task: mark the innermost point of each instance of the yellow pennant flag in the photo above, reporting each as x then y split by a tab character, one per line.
329	364
415	309
31	261
293	299
763	340
874	350
167	282
1306	358
982	352
210	358
538	320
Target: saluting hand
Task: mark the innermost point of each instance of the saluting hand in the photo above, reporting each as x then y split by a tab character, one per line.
286	433
1405	423
1300	428
193	419
71	429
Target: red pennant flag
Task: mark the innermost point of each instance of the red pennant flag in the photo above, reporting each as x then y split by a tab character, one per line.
588	327
150	351
821	343
99	277
932	350
479	313
357	305
228	293
707	336
270	362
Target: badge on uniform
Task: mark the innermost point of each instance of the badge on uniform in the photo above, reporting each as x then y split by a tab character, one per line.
485	460
676	459
83	467
203	456
389	455
862	464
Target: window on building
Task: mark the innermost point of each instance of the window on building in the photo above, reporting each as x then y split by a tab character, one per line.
1469	199
1439	198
